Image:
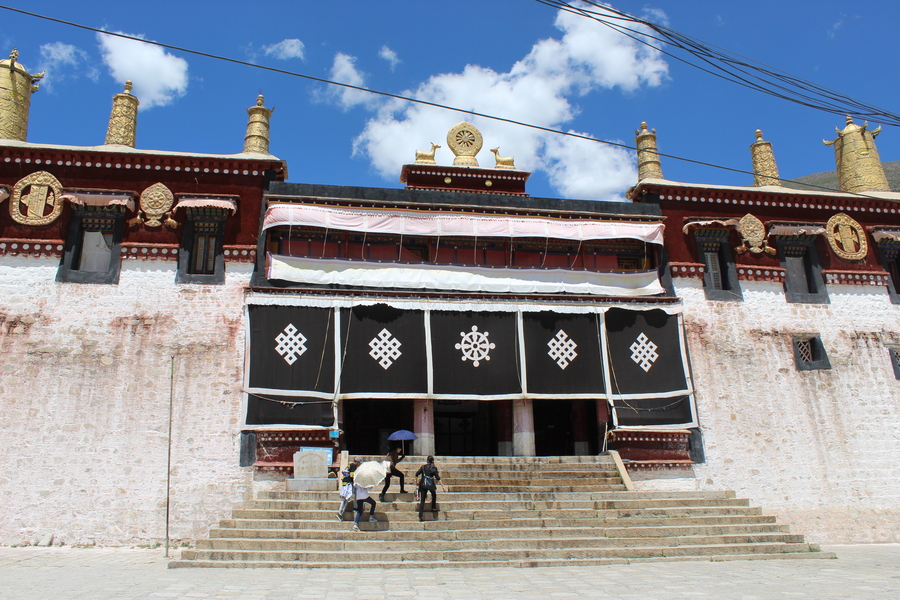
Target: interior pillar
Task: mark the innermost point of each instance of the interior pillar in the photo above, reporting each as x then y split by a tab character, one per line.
423	425
504	427
523	428
580	428
602	421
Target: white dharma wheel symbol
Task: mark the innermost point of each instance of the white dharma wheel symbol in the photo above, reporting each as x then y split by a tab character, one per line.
475	346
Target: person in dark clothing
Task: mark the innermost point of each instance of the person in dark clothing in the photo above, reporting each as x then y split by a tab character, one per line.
427	478
390	464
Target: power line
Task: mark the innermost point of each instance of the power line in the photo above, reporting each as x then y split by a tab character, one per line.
399	97
727	65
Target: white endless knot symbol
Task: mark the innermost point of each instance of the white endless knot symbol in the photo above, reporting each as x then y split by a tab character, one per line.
475	346
562	349
643	352
385	349
291	344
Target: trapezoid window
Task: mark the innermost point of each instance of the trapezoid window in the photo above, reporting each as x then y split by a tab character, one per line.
803	280
92	250
809	353
720	280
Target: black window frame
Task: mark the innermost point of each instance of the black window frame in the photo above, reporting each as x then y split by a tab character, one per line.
819	360
68	271
804	282
889	252
894	355
717	241
199	221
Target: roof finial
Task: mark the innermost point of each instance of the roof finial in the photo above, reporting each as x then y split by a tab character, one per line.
765	171
16	87
122	129
649	166
256	139
858	164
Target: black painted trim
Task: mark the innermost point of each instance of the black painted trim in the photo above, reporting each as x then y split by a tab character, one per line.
798	279
820	358
731	291
72	251
185	258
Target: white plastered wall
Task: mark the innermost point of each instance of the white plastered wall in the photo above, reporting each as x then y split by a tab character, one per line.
85	393
820	449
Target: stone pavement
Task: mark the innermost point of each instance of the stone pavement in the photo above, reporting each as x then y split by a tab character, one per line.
871	572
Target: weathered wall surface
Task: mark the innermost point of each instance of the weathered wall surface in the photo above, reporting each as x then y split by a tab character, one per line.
85	392
819	448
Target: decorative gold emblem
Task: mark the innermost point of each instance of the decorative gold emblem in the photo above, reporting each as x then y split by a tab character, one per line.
753	234
36	193
426	158
846	237
465	141
503	162
156	202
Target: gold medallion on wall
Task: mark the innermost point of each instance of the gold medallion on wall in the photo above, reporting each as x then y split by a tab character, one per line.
156	207
846	237
36	199
753	234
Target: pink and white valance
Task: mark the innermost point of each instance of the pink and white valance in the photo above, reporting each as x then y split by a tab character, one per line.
99	198
436	223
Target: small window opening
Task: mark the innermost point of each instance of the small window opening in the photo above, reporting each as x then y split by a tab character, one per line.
204	251
809	354
714	268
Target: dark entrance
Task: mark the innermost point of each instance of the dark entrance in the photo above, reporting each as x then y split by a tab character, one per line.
559	424
465	428
367	423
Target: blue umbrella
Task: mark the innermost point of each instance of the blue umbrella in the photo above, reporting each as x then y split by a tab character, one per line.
402	435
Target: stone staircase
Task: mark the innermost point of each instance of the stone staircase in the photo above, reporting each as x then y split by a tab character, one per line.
500	511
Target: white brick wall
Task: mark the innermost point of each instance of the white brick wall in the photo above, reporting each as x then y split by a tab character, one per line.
84	392
819	448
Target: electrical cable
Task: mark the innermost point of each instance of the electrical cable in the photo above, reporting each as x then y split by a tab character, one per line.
425	102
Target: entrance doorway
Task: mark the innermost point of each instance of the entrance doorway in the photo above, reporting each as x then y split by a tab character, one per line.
367	423
565	427
465	428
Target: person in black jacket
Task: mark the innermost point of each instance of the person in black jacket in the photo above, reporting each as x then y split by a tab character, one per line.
427	477
390	464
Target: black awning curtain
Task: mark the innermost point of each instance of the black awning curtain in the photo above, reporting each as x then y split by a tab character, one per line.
383	352
308	357
562	353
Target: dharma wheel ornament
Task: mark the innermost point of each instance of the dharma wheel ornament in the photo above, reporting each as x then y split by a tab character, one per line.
156	207
465	141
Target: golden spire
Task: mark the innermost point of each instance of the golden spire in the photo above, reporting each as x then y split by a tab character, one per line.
16	87
765	171
122	128
858	165
649	166
257	138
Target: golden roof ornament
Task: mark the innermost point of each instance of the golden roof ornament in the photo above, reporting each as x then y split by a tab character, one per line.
16	87
256	139
122	129
465	141
426	158
649	166
765	171
503	162
856	157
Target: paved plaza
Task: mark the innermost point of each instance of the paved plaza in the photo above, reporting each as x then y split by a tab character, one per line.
871	572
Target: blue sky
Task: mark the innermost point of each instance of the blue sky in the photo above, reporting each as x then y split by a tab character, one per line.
516	59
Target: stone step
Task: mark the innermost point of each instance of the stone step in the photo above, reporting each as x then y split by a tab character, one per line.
424	533
512	496
327	524
520	563
389	558
450	503
500	462
354	542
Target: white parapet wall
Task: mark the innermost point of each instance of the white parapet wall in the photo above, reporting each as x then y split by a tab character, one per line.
819	448
85	395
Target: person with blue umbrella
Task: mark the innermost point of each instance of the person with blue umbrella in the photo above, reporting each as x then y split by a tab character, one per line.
394	456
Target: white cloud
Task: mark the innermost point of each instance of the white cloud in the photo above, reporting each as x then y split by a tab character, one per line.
158	77
285	49
344	70
538	89
390	56
59	60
